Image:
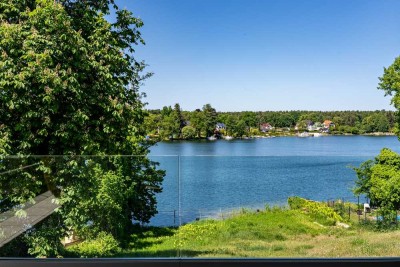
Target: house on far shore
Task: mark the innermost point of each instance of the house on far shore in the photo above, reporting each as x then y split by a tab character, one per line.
328	124
315	127
265	127
307	124
220	126
310	125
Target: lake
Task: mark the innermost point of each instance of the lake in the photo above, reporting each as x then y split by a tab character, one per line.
212	178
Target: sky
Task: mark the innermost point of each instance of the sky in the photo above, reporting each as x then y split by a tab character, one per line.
259	55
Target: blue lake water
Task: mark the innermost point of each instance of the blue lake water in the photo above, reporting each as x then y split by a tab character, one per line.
205	178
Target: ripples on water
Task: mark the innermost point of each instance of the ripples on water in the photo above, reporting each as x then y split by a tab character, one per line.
253	173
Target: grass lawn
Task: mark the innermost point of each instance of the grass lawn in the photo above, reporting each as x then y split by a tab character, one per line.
271	233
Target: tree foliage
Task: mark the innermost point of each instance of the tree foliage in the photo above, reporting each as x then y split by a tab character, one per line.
210	119
69	85
354	122
178	118
379	180
377	122
390	83
188	132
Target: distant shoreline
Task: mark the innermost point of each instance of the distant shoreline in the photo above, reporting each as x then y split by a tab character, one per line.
311	135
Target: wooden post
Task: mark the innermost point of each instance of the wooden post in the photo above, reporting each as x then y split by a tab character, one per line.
365	216
358	208
349	211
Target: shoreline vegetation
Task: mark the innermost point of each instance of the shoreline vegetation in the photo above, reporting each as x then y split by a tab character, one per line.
207	123
303	228
272	135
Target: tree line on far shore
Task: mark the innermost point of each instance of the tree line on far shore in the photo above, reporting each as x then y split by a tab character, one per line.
174	123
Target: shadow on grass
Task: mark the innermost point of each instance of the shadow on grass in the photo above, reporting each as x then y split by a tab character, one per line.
146	236
169	253
153	231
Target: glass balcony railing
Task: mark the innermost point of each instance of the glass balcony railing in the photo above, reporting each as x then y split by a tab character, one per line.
186	206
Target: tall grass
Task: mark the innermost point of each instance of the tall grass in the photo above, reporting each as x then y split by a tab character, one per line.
274	232
247	234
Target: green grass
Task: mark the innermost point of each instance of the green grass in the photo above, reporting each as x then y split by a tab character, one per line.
271	233
268	233
275	232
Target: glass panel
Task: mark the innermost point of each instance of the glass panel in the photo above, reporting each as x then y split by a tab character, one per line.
237	206
87	206
205	206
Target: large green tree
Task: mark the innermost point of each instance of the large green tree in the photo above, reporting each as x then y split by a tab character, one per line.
380	179
69	85
249	118
390	83
172	122
197	121
230	123
376	122
178	118
210	119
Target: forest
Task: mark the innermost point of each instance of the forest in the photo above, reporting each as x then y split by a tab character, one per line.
174	123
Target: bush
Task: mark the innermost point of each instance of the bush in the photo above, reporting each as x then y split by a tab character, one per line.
354	130
317	210
386	219
255	131
202	232
342	208
345	129
104	245
188	132
43	240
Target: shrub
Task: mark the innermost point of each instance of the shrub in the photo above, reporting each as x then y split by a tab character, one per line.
354	130
188	132
341	208
43	240
386	219
200	232
317	210
255	131
104	245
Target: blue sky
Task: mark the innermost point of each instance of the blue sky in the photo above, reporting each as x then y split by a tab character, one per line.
267	55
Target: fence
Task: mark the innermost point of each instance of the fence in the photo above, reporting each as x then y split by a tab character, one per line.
350	209
364	213
176	217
